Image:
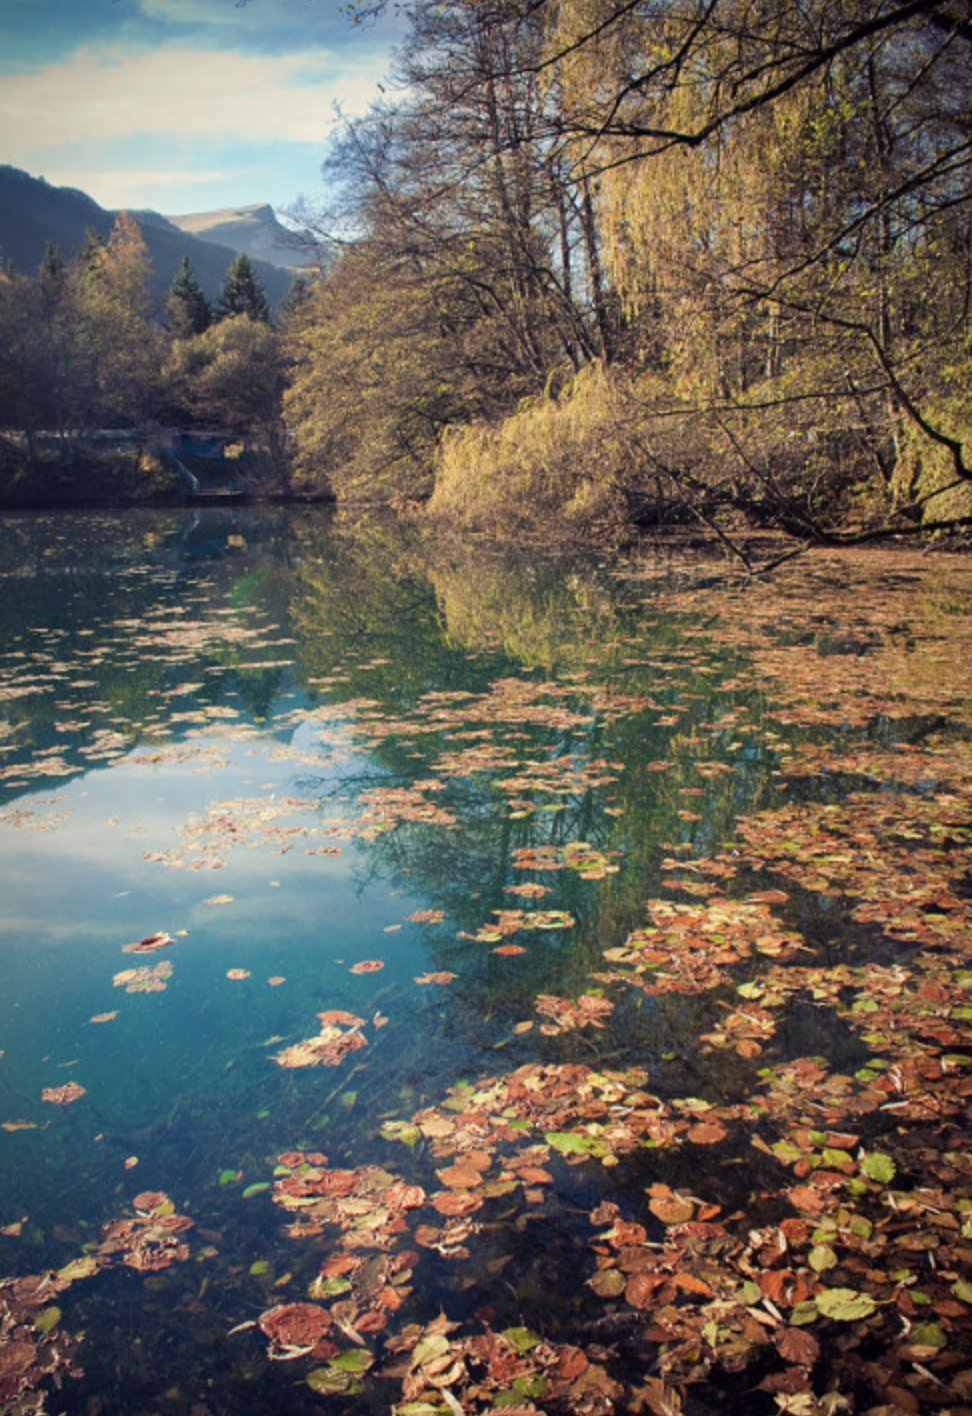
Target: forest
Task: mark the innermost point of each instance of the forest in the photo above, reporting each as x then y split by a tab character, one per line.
596	266
83	352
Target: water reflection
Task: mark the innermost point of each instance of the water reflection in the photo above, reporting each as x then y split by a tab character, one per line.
349	773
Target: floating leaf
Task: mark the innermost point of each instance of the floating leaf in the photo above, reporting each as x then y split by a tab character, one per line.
573	1143
927	1335
844	1305
522	1339
821	1258
403	1131
355	1360
879	1167
148	944
78	1268
63	1095
671	1208
608	1283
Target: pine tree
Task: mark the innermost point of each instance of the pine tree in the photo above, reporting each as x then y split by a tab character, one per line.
186	305
91	251
242	293
296	299
52	275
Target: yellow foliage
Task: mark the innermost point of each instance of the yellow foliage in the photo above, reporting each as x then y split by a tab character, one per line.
557	465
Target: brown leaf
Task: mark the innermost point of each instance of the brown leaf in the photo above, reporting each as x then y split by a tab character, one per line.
797	1345
658	1397
671	1209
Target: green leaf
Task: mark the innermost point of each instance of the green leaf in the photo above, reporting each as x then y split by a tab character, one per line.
821	1258
332	1382
529	1386
845	1305
428	1348
256	1189
47	1319
927	1335
570	1143
787	1152
962	1290
227	1177
328	1287
522	1338
78	1268
354	1360
402	1131
879	1167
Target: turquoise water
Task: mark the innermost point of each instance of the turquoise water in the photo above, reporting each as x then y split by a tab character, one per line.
276	737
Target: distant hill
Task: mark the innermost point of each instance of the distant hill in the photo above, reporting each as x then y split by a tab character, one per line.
32	212
253	230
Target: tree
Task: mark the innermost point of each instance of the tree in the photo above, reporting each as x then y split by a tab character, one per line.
186	305
230	376
242	293
121	351
777	186
731	206
470	277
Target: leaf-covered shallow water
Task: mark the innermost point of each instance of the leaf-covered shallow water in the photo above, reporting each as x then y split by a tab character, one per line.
439	980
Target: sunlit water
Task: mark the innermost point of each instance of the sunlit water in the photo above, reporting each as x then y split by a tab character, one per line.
278	740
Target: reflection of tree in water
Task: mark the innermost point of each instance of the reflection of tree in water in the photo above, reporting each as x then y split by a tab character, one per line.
102	601
462	623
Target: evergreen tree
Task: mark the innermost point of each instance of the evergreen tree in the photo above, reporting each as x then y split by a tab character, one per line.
187	306
295	301
91	251
52	274
242	293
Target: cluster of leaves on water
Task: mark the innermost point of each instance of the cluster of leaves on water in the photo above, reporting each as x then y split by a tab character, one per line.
34	1348
839	1284
794	1232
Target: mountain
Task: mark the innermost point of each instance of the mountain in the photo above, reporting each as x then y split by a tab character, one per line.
32	212
253	230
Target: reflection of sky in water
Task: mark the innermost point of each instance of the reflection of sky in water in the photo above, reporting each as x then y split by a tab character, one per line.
77	887
183	1079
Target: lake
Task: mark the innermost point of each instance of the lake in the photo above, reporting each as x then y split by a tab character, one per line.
441	979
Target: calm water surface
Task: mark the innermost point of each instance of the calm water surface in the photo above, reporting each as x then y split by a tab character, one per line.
298	748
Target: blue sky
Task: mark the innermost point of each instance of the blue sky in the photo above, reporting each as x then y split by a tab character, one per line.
182	105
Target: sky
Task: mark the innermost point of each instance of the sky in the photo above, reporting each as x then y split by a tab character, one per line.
183	105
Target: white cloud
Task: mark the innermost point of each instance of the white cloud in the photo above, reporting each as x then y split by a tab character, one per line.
182	93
